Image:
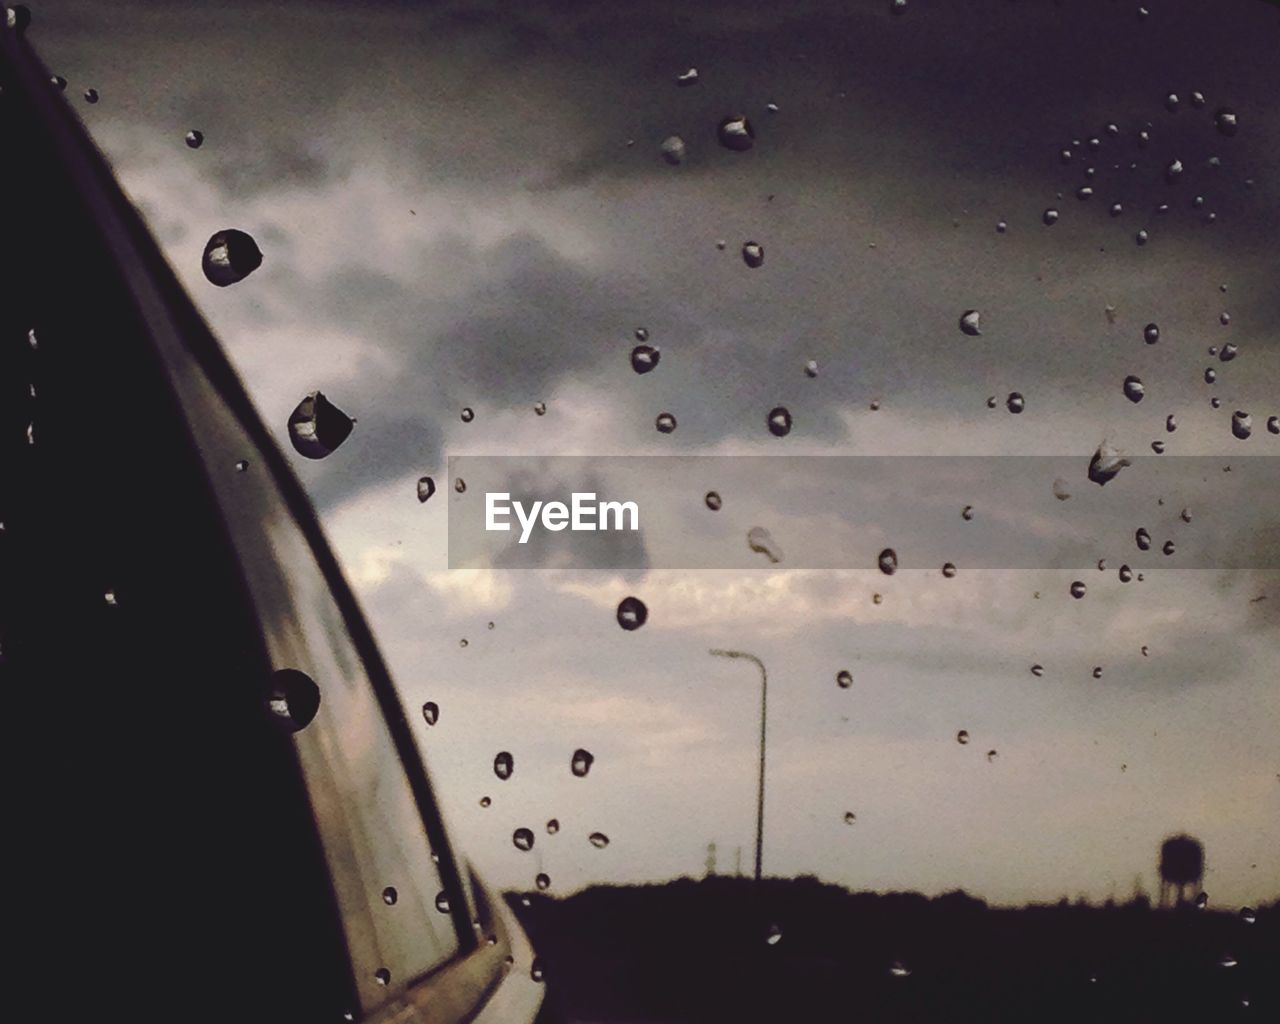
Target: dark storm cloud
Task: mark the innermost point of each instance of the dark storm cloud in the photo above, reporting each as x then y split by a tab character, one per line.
889	128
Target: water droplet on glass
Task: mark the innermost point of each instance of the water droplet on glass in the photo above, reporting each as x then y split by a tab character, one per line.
599	840
1173	171
504	765
1202	901
1115	209
966	513
242	465
666	423
962	737
687	78
1169	548
673	150
389	896
761	542
1229	352
426	488
850	818
382	976
1171	423
1142	237
971	322
735	132
632	613
712	501
1084	192
1226	121
991	756
644	358
1061	489
1216	403
1133	389
1015	403
194	139
1143	539
431	712
949	570
317	426
230	256
17	18
1125	574
542	881
91	95
779	422
540	408
1273	424
1241	424
58	82
1210	375
442	902
811	368
293	698
888	561
553	826
753	254
1050	217
536	971
1097	672
773	935
1037	670
463	642
844	679
899	970
522	838
1105	464
581	763
485	802
1078	589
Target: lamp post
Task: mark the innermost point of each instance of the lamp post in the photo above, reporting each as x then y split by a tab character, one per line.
764	704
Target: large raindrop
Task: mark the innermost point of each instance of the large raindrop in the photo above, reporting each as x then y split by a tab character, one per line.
317	427
230	256
632	613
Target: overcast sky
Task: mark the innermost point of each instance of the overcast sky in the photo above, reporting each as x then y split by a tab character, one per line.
465	206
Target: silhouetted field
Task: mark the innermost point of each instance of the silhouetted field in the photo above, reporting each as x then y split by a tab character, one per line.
700	951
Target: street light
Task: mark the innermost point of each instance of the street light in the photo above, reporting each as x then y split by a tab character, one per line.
764	703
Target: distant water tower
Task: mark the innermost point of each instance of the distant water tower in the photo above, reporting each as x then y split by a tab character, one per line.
711	859
1181	869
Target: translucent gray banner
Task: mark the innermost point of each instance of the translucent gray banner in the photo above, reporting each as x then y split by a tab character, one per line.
885	514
